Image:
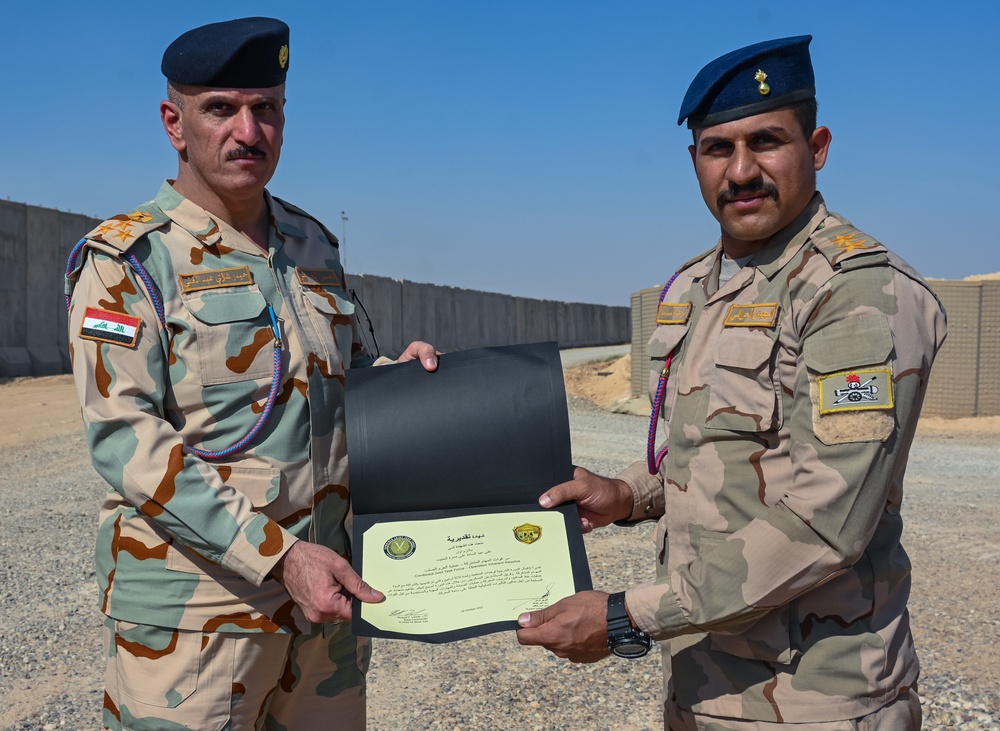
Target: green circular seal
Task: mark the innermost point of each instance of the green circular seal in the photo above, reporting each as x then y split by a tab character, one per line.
399	547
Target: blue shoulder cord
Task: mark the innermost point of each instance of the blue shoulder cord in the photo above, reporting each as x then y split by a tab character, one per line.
157	300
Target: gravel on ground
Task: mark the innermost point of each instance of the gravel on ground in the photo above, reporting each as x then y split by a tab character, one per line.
50	654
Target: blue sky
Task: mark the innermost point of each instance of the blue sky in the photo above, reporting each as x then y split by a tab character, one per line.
525	147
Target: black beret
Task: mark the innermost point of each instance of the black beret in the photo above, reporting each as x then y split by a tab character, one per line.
246	53
749	81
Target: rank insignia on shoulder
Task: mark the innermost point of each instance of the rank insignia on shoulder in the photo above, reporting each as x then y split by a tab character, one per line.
673	313
110	327
858	390
850	242
317	277
764	314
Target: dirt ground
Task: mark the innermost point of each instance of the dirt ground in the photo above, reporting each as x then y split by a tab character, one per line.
950	536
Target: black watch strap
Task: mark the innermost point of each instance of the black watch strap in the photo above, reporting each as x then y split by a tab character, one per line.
617	612
624	640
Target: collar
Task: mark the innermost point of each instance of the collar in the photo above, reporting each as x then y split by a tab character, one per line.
199	223
283	220
768	261
786	243
189	216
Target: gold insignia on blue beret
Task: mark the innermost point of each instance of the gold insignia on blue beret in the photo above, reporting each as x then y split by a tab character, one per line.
283	56
722	91
761	78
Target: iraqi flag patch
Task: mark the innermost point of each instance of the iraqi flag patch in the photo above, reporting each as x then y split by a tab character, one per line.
110	327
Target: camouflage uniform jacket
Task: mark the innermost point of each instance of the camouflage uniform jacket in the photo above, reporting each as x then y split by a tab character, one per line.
780	575
186	542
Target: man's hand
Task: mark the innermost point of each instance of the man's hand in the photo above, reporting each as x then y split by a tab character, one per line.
575	628
601	500
321	582
424	352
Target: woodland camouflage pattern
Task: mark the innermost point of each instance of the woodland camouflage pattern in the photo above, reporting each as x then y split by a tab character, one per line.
781	584
186	543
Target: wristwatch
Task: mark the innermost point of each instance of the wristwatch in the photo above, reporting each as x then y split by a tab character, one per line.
624	640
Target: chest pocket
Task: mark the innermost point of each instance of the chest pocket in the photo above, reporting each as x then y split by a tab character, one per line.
666	339
744	392
232	334
331	314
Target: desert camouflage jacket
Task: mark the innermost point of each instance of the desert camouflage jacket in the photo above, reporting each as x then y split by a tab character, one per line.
185	541
790	406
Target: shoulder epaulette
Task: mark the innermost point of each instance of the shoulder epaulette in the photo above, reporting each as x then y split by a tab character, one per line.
119	233
846	247
334	241
691	262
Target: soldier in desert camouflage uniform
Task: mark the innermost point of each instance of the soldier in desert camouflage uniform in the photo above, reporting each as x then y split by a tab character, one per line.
210	330
789	364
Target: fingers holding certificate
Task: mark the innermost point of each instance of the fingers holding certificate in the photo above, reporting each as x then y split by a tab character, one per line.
446	471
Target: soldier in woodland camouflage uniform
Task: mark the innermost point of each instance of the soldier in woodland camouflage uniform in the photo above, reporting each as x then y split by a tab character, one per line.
210	330
789	365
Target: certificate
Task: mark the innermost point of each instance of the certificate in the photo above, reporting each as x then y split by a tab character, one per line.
448	578
446	471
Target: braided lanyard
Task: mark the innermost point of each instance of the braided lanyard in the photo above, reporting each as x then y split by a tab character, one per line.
653	458
154	295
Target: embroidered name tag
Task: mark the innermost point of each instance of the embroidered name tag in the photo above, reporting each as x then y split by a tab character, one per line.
860	390
760	315
216	278
672	313
110	327
318	277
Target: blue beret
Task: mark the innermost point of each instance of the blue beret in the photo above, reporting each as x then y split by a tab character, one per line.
246	53
749	81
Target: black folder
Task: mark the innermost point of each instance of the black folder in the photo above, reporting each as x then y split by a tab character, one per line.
487	432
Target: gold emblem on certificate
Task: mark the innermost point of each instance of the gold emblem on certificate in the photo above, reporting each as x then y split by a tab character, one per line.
399	547
528	533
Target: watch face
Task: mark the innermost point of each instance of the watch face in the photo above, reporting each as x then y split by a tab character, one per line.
630	648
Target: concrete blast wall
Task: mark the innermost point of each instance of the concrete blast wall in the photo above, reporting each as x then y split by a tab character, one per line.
458	319
34	246
966	372
35	243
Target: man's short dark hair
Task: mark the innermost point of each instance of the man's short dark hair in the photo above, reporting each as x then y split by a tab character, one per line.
805	112
174	94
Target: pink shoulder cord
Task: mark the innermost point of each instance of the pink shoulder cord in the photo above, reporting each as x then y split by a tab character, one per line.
653	458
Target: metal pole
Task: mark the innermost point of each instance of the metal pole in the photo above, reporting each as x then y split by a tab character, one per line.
343	239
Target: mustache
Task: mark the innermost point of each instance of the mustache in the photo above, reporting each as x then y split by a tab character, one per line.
245	151
754	188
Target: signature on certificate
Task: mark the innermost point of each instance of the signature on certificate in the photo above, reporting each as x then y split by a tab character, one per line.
409	616
539	600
